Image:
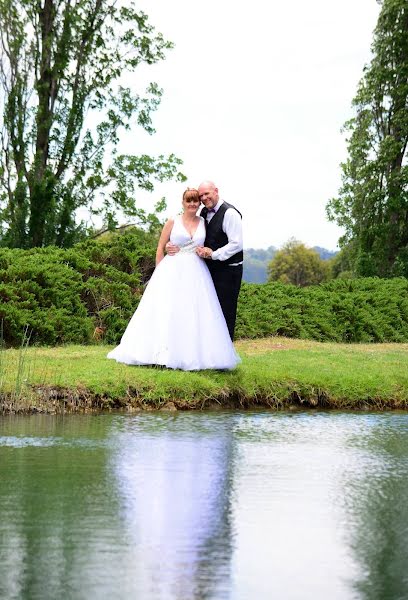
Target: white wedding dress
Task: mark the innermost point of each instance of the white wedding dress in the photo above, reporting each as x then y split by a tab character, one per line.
179	322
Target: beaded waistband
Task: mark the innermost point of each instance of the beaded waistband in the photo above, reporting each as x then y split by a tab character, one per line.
189	247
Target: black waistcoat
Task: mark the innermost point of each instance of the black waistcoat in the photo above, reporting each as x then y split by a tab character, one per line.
215	237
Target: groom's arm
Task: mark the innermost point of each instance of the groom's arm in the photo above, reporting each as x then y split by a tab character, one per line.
232	227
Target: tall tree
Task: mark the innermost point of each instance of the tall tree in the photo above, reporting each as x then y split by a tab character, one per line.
296	264
62	61
373	201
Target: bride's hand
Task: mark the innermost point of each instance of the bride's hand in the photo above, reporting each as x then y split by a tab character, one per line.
172	249
204	252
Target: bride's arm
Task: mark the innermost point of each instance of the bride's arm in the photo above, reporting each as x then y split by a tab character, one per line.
164	238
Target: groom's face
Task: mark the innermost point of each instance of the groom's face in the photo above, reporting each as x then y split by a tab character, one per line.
208	195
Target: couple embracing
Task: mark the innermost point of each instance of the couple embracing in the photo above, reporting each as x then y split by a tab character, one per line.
186	316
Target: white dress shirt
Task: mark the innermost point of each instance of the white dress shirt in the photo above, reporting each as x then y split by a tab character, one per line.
232	227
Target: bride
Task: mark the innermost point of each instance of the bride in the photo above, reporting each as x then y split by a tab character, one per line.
179	322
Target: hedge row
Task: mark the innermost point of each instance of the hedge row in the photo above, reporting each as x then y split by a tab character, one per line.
355	310
80	295
88	294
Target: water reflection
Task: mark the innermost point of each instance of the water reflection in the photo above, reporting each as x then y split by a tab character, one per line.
377	502
208	506
175	481
57	507
290	528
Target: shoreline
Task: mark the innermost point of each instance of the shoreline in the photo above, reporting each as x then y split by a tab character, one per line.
52	401
275	374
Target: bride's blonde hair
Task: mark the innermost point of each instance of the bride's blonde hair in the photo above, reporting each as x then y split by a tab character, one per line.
191	194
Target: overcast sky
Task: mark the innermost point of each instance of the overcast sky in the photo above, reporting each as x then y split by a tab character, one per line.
255	95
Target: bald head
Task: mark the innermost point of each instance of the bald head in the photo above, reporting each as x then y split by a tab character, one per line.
208	184
208	194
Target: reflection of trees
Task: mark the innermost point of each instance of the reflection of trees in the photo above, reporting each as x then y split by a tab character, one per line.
115	507
175	481
378	503
54	501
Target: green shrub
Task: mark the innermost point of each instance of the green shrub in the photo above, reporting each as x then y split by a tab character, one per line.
80	295
355	310
89	292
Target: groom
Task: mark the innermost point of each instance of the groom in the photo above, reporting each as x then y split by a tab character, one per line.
223	249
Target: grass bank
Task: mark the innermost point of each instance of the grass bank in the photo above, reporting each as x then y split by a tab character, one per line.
275	372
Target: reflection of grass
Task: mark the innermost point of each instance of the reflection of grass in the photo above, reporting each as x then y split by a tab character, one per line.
275	372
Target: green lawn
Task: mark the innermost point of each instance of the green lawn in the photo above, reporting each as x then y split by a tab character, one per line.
275	372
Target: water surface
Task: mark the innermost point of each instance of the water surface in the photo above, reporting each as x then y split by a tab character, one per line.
197	506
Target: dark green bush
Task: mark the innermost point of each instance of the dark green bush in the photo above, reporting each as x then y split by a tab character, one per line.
356	310
89	292
80	295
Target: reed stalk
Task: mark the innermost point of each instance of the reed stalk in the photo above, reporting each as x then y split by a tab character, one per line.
19	381
13	372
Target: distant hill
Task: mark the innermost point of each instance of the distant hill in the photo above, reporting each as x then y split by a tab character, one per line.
256	262
325	254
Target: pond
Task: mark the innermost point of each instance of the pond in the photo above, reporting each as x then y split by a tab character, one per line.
197	506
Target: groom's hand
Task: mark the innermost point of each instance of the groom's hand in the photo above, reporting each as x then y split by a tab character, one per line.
172	249
204	252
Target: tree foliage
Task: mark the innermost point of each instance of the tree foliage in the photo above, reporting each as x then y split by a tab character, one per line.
373	201
256	261
64	104
295	263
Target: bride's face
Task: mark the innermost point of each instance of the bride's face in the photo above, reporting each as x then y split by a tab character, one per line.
191	205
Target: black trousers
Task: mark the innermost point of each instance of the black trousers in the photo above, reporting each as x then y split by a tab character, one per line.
227	283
